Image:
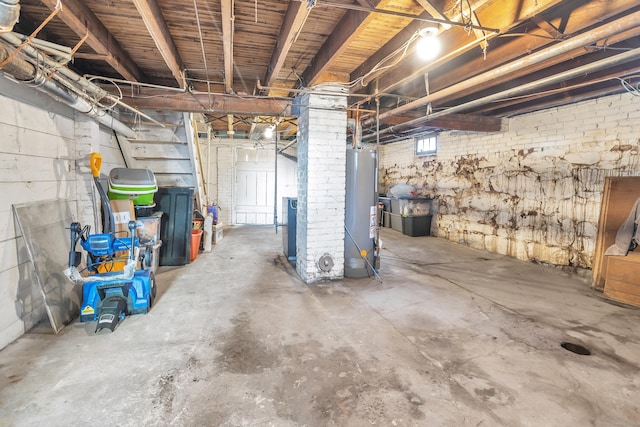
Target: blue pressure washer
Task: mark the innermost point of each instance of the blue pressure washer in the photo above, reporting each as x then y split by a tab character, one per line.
109	295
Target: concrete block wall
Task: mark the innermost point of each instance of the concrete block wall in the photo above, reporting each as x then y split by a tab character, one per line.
43	156
322	128
533	191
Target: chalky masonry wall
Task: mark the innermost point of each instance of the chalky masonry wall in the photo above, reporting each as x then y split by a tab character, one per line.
44	155
322	156
532	192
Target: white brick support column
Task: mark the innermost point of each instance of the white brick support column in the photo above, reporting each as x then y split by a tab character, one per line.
321	183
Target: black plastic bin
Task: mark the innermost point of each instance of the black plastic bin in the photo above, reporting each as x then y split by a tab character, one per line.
415	226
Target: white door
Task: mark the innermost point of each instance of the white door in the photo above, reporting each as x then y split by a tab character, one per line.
254	186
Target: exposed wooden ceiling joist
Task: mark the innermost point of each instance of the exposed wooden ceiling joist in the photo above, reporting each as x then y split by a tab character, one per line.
493	15
227	41
398	41
463	122
556	64
433	11
349	27
295	18
547	27
331	40
152	16
77	15
583	17
150	99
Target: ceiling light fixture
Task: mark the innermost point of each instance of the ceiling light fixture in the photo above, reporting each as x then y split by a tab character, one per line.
428	46
268	132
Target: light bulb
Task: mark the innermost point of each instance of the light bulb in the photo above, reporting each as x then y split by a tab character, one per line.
268	132
428	46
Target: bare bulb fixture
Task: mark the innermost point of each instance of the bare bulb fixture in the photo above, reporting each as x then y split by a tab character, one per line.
428	46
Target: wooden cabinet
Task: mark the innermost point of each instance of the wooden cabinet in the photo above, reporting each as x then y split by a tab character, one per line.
618	198
622	282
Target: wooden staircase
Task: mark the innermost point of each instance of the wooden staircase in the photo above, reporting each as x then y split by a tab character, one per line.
169	147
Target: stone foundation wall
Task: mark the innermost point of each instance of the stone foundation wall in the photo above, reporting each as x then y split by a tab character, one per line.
532	192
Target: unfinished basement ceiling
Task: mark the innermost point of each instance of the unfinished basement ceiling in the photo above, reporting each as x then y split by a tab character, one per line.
241	61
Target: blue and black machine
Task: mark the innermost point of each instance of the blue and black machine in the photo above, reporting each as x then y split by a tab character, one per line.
113	288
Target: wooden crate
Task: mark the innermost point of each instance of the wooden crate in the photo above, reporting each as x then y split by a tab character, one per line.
622	281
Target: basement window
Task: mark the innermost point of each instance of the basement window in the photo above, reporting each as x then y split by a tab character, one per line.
427	145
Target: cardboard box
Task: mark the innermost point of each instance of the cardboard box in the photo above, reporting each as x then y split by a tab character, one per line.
123	212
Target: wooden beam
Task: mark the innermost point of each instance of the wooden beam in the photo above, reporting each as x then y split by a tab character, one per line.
230	130
397	42
295	18
227	42
92	56
433	11
575	90
151	14
494	15
351	25
79	18
512	50
153	99
547	27
464	122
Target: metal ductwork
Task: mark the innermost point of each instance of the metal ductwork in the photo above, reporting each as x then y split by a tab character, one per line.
24	71
9	14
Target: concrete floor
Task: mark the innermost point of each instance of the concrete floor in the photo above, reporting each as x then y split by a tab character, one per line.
452	337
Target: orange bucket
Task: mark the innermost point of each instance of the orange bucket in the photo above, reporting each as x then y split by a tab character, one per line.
196	236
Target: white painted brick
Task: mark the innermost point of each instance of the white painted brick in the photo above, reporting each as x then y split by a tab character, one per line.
321	186
584	133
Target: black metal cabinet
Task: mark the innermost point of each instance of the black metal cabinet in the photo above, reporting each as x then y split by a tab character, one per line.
289	211
176	205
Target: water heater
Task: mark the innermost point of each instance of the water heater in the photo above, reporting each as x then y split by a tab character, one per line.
360	212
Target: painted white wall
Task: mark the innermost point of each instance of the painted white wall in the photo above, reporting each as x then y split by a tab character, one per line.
532	192
219	160
322	153
44	153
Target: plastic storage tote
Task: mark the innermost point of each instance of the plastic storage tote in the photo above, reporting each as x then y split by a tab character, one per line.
136	184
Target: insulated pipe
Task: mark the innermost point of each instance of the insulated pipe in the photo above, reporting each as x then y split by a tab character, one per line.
623	24
23	70
357	132
560	77
9	14
84	84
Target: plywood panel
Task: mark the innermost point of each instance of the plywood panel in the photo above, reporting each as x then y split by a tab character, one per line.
618	198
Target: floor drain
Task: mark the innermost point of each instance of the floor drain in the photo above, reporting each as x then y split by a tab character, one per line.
575	348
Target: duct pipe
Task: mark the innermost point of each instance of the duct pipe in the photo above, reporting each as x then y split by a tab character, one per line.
25	71
9	14
84	84
625	23
557	78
